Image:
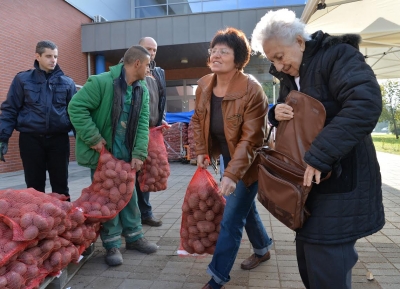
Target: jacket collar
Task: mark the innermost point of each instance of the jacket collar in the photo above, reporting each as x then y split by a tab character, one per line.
237	87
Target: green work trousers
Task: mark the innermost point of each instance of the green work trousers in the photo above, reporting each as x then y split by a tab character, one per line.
127	223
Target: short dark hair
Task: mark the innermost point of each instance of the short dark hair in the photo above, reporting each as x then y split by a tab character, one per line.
42	45
134	53
236	40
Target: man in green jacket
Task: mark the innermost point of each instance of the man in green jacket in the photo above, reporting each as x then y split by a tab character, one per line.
112	110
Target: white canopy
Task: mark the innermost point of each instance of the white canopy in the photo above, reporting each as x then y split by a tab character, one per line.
377	21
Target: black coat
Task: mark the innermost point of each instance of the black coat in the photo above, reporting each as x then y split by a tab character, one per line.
348	206
37	104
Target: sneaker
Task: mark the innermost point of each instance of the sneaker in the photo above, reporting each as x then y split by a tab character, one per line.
113	257
253	261
151	221
142	245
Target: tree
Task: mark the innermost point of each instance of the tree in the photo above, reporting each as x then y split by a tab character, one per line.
391	105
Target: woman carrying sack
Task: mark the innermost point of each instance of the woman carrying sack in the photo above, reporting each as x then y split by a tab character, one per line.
230	119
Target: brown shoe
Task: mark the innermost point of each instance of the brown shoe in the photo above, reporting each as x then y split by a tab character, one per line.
207	286
253	261
153	222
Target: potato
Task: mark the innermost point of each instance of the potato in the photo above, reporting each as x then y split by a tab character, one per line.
206	242
203	206
97	187
193	230
4	206
3	282
115	195
185	207
193	201
96	177
213	237
203	195
206	226
108	184
122	188
55	259
123	175
110	174
199	215
40	222
26	220
191	220
31	232
110	165
198	247
210	215
186	247
14	280
217	207
105	211
46	245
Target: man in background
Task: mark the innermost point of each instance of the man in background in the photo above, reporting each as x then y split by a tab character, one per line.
157	89
36	106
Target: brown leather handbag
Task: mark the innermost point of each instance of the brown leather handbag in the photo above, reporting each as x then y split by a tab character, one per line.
281	170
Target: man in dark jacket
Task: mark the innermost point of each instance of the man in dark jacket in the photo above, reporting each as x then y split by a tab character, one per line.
157	117
36	106
347	206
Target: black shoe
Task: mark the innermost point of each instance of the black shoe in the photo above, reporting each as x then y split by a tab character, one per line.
151	221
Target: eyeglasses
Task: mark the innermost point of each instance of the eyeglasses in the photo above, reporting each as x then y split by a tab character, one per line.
222	51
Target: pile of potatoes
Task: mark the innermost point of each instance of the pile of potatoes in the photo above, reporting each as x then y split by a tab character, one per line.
32	214
155	171
202	212
111	189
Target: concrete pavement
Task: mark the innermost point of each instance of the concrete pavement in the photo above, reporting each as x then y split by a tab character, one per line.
379	254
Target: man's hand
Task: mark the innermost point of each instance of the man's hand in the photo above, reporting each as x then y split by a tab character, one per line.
283	112
203	161
3	150
136	164
309	176
98	147
227	186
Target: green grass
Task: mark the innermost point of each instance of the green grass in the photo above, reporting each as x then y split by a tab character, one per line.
386	143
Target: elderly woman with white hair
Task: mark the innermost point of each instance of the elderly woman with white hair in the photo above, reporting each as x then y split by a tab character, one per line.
348	206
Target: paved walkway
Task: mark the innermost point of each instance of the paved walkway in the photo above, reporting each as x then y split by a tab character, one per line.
379	254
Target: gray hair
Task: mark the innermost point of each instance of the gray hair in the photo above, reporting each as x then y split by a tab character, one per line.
42	45
281	25
134	53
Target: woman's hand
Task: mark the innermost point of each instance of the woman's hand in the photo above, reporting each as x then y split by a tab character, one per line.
227	186
309	175
283	112
203	161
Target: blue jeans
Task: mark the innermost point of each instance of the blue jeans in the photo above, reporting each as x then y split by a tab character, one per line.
240	211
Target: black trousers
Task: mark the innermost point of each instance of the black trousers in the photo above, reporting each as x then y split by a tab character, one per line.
41	153
326	266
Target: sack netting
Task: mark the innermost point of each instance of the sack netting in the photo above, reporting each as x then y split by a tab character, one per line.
202	212
155	172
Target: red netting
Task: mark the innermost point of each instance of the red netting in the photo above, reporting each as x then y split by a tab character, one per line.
32	214
155	172
202	212
111	189
9	249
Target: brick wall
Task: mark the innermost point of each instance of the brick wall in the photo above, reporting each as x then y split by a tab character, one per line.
24	23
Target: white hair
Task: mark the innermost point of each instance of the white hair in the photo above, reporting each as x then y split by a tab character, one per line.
281	25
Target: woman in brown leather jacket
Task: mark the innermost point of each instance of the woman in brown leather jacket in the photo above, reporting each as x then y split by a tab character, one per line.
230	119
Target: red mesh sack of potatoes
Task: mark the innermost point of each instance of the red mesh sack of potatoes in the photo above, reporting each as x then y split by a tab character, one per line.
202	212
32	214
155	171
9	249
111	189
